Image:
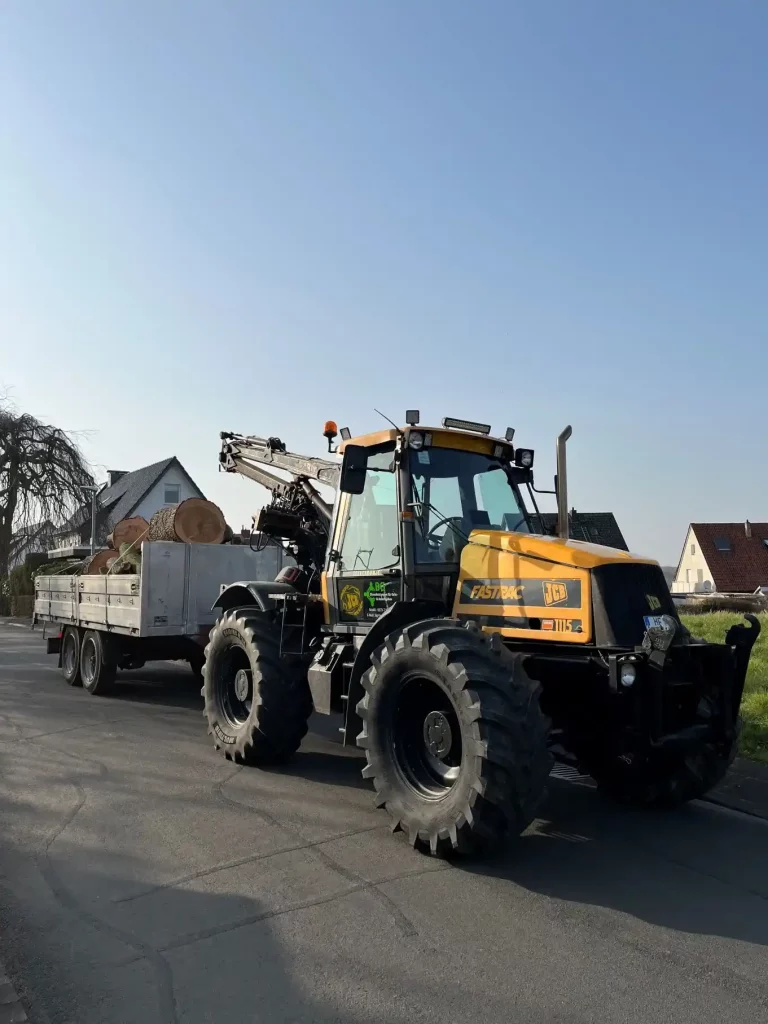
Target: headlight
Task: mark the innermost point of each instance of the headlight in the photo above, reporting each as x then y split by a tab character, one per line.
627	673
415	440
524	458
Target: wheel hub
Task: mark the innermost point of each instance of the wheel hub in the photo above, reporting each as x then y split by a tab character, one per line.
437	734
242	685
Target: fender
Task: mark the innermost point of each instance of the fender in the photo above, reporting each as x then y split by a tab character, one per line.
244	593
399	614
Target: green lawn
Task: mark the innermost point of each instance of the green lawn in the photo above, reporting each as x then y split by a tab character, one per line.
754	708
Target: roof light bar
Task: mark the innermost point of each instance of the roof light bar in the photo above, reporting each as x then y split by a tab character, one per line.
477	428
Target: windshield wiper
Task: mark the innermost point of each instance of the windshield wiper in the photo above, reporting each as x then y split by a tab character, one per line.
447	519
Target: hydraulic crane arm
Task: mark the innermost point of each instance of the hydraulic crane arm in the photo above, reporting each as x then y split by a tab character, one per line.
271	452
256	457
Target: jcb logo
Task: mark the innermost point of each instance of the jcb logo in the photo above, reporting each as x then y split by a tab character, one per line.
496	591
653	602
555	593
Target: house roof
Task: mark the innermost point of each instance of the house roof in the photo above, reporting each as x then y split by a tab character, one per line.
119	501
595	527
744	567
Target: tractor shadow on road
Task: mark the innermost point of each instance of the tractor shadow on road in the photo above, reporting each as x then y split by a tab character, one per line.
169	686
699	869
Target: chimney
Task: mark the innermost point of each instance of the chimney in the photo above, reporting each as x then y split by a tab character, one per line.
747	528
113	475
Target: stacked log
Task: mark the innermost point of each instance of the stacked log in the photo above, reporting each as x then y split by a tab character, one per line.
129	531
194	521
98	561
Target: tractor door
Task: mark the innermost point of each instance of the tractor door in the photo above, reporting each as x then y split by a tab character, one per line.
364	574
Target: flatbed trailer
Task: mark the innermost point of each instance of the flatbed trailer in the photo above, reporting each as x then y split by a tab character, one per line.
162	613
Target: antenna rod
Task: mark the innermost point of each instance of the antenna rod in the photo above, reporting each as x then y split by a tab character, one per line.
386	418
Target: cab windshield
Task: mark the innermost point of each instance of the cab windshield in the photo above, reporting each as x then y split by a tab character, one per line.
455	492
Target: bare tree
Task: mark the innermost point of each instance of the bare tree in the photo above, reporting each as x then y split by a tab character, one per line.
43	474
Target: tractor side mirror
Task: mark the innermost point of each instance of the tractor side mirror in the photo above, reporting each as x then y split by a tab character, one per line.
353	467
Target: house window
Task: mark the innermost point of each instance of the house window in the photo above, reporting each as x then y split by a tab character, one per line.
693	549
700	575
722	544
172	494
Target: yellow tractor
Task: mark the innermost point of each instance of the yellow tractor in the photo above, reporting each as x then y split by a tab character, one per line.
464	647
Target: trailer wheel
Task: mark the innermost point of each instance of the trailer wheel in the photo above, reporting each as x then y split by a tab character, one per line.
256	703
98	665
454	736
70	656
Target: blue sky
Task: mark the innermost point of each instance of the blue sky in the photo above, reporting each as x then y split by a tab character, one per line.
255	216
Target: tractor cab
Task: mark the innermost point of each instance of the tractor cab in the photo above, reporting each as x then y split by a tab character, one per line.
409	502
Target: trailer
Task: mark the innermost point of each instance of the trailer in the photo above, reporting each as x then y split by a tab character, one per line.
162	613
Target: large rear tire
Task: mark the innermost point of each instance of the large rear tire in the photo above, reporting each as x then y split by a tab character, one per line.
98	664
455	739
663	779
70	656
257	704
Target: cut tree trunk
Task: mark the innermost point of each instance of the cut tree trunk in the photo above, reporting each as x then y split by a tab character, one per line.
99	562
194	521
130	531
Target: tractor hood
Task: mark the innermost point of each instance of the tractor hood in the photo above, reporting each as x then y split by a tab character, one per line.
574	553
550	589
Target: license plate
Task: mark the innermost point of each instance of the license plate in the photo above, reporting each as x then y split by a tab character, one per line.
653	621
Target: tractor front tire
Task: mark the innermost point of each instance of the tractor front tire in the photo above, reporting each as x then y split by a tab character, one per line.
455	739
257	704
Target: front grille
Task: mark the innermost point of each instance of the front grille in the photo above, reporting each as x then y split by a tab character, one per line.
622	595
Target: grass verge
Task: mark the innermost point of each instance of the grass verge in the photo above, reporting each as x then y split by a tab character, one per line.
713	626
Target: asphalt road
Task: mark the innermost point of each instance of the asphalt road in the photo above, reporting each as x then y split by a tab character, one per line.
144	879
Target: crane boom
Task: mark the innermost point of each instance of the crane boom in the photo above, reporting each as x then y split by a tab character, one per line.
240	450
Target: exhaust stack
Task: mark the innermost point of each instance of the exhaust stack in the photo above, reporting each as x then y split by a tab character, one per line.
562	484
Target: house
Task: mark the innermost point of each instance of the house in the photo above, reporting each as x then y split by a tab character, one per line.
595	527
727	558
140	493
30	540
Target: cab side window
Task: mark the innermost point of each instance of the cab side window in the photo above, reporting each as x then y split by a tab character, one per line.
372	530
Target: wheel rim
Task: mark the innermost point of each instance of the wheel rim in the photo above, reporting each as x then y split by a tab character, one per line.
234	687
88	662
426	737
69	654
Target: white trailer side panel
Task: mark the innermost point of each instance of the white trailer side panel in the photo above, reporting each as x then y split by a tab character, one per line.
109	602
211	566
173	595
164	570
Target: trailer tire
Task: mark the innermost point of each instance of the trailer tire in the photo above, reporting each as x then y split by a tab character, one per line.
70	656
455	739
257	704
98	664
